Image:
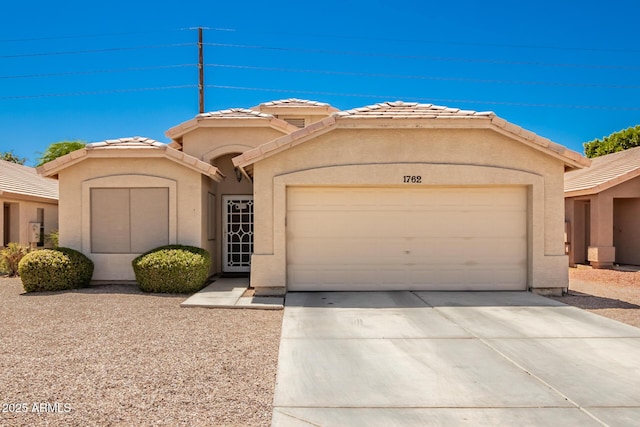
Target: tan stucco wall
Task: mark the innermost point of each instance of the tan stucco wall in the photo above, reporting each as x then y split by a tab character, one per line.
601	249
455	157
185	200
209	143
23	212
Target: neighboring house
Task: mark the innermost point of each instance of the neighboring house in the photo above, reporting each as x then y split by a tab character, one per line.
306	197
26	199
602	211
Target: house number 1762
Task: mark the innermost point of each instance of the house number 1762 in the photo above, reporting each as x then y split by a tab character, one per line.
413	179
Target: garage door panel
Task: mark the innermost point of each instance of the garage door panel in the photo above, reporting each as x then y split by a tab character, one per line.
346	250
364	278
341	223
398	238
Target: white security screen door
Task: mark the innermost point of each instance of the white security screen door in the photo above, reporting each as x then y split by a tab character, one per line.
237	233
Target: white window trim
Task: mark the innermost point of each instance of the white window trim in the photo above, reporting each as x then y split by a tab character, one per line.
127	181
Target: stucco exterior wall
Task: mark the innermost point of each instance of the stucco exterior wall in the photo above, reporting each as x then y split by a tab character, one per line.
209	143
381	157
21	213
601	248
185	204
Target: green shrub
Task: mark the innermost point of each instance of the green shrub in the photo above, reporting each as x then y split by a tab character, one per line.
53	238
172	269
10	258
55	270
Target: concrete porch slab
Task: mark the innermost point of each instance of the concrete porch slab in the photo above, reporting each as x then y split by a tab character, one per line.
227	292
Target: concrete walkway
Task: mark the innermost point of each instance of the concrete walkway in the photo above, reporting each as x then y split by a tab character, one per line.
450	359
226	292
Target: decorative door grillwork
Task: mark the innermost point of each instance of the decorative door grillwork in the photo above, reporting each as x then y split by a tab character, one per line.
237	245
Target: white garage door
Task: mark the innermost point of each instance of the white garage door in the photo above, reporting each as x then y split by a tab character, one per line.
406	238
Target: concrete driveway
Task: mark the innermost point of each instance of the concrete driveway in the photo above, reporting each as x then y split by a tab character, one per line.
449	359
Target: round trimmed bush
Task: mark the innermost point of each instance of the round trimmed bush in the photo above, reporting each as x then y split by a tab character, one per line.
54	270
172	269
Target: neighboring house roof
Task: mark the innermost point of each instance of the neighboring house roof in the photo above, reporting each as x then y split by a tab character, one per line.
233	117
411	115
605	172
18	181
129	147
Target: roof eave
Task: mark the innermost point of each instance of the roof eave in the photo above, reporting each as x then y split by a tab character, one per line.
283	143
176	133
51	169
54	167
194	164
28	197
571	159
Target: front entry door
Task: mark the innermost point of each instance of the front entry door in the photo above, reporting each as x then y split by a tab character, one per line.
237	233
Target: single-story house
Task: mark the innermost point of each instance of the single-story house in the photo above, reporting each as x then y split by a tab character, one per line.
305	197
29	205
602	211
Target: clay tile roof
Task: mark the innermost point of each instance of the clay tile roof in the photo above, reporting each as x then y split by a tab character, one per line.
235	113
124	143
223	117
116	147
294	102
401	109
605	172
23	180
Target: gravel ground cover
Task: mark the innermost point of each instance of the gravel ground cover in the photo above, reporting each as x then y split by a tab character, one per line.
609	293
113	356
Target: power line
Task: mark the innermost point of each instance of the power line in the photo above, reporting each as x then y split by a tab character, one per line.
79	52
322	36
128	33
113	70
422	57
418	77
413	98
448	42
98	92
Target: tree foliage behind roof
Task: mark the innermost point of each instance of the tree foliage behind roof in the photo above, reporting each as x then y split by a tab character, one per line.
10	157
59	149
617	141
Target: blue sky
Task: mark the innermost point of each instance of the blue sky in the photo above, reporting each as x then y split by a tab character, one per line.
567	70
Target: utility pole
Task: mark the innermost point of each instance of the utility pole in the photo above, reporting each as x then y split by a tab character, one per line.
200	71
